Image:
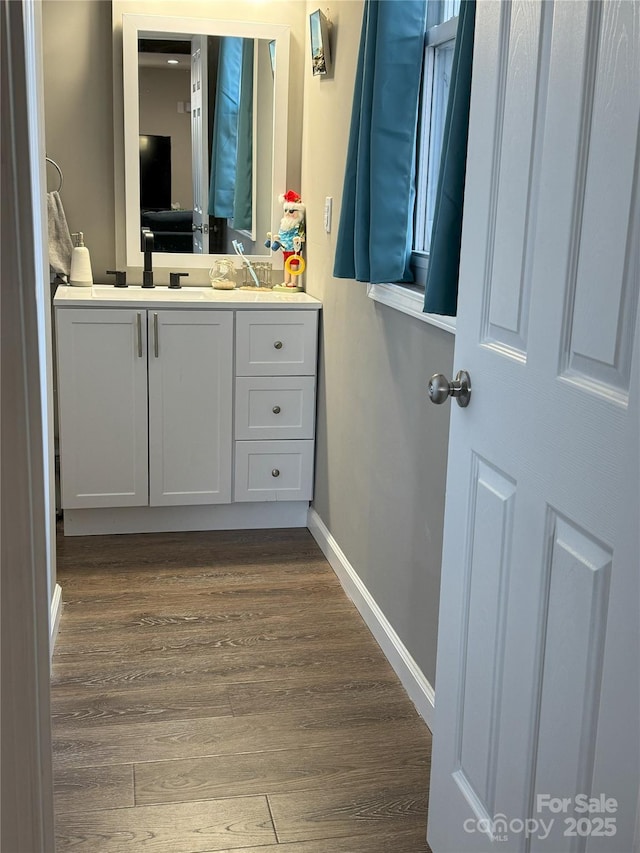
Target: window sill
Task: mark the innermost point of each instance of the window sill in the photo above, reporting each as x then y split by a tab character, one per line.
410	300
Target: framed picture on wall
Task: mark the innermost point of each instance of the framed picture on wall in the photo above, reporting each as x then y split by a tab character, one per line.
320	47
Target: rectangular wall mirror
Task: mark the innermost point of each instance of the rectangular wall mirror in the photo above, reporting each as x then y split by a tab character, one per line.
205	136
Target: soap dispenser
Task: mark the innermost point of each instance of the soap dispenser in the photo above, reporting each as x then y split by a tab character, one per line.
81	275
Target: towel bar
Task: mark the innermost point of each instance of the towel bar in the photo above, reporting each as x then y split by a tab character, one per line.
59	170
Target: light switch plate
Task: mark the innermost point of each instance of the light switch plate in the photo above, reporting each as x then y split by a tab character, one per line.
328	207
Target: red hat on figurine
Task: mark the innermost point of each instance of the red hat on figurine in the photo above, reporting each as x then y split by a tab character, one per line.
292	200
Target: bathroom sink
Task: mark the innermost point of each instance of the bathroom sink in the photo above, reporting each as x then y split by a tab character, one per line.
158	294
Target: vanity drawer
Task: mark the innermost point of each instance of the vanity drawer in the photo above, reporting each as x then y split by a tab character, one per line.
274	471
276	342
275	407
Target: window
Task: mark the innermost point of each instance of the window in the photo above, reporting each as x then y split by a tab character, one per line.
442	23
440	40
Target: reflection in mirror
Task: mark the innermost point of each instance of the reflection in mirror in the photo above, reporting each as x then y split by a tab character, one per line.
201	102
205	147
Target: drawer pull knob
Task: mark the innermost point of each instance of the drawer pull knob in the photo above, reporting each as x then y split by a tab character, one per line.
278	344
276	410
275	473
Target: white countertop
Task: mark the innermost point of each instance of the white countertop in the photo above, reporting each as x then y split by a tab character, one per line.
188	297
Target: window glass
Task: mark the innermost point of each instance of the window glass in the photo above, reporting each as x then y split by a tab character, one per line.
438	60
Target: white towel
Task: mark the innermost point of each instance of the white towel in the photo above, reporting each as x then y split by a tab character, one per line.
60	245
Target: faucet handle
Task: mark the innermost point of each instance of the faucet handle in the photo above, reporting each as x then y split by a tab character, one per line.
147	248
174	280
121	277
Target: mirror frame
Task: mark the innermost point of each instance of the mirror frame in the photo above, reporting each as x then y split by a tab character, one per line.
160	25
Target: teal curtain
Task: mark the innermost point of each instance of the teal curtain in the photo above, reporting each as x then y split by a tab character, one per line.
230	182
441	291
243	190
224	150
376	220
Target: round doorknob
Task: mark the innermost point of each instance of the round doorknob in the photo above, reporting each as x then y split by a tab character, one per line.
276	410
278	344
440	388
275	473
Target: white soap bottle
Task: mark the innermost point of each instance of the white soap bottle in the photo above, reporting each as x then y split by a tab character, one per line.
81	275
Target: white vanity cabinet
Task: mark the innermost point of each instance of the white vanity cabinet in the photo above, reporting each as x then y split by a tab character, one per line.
185	410
145	404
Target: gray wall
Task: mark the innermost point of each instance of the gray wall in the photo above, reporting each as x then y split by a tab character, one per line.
382	447
78	91
381	454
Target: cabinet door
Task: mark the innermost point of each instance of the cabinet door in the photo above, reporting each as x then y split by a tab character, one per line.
102	398
190	407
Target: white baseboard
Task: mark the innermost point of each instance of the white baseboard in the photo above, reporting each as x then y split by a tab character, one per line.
54	619
413	679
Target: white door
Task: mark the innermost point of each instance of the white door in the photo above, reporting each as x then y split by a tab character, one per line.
537	685
190	407
200	144
102	398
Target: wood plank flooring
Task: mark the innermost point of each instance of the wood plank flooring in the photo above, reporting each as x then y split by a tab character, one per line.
217	692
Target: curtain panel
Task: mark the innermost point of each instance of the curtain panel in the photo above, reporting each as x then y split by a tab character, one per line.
243	190
224	150
231	175
441	290
376	220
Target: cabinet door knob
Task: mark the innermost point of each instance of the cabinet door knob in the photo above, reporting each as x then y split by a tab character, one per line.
278	344
276	410
275	473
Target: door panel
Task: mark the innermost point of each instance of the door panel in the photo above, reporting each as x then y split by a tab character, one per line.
578	573
102	397
521	90
484	598
599	329
190	407
537	687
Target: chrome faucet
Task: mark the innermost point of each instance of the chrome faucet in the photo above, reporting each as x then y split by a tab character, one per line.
147	248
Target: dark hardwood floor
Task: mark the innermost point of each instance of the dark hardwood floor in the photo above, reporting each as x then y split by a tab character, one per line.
218	691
